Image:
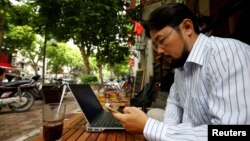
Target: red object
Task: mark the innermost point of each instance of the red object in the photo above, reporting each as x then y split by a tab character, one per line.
138	29
131	62
4	61
5	65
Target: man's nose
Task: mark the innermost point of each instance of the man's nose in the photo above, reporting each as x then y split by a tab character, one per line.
160	50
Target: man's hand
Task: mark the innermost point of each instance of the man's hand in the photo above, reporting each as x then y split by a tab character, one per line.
133	119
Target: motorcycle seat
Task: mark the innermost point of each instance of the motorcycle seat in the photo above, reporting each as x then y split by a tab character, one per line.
16	83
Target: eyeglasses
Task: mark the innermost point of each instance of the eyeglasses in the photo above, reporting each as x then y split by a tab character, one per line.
160	40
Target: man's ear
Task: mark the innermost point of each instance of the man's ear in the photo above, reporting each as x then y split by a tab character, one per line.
187	27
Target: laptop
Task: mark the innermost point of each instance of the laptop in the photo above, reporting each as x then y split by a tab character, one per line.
97	118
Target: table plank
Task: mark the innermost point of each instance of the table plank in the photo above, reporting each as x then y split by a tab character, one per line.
121	136
130	137
139	138
111	136
74	120
74	129
69	133
93	136
102	136
77	134
84	136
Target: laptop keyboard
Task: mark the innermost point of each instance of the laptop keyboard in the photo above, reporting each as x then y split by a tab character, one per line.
106	120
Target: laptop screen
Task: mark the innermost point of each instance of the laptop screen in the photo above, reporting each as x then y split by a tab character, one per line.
87	100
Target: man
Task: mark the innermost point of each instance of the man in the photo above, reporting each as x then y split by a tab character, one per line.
212	79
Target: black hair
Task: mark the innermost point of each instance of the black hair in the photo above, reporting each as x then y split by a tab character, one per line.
171	14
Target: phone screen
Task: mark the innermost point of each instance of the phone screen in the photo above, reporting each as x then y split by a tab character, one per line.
112	109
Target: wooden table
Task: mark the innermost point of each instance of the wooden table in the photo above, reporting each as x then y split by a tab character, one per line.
74	129
116	102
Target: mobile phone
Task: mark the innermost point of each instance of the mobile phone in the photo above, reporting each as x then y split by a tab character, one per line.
111	109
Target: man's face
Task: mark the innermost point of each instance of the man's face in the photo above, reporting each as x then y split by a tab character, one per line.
171	45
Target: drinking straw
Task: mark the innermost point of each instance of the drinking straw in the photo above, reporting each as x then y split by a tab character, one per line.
63	93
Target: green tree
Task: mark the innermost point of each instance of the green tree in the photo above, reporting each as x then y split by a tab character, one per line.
24	39
88	27
33	54
101	33
14	15
121	69
4	4
62	55
19	37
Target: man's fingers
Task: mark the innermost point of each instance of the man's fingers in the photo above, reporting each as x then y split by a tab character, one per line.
126	110
130	109
118	116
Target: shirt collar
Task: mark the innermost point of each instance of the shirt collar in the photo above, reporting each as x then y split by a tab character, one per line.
196	54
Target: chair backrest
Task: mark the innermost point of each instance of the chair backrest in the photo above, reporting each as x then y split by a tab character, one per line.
51	93
145	97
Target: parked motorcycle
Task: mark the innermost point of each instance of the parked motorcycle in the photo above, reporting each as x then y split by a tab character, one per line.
33	85
64	85
17	96
36	87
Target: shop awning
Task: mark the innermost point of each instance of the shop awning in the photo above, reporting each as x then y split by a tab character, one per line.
4	61
5	65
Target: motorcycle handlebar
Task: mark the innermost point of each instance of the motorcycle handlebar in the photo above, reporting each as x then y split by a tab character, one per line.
32	83
36	77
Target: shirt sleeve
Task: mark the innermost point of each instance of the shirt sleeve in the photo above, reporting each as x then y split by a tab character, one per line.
159	131
171	129
229	77
173	111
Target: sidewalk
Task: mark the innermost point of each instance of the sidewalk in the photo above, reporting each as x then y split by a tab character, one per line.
25	125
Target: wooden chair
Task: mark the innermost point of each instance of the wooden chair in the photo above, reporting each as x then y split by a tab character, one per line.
51	93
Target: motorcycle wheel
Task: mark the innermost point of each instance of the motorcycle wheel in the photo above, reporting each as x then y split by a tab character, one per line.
20	107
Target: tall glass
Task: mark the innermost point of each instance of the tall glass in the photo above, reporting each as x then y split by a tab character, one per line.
53	116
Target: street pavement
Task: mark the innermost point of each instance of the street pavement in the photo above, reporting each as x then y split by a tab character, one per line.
24	126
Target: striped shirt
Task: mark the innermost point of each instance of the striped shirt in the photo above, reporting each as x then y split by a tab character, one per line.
213	87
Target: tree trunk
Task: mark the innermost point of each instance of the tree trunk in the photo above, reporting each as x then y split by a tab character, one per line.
44	54
1	36
100	72
35	67
85	57
2	21
34	64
